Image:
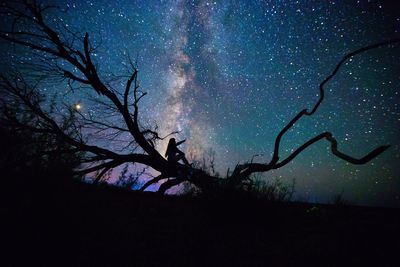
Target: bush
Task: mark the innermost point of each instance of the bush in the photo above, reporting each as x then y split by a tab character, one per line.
275	190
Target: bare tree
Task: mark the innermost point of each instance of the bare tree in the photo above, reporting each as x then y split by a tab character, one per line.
66	55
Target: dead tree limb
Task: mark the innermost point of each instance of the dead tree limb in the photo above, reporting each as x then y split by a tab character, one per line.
243	171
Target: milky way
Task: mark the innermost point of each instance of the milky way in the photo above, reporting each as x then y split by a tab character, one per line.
181	87
229	74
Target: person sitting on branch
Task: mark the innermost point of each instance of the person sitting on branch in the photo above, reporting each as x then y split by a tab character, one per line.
173	153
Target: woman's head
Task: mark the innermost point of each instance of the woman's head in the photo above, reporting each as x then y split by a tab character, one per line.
172	141
171	146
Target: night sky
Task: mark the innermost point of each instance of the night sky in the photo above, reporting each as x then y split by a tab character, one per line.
230	74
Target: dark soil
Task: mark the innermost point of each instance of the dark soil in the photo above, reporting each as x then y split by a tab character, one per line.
74	224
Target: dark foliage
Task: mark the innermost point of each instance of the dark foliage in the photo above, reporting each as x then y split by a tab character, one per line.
82	225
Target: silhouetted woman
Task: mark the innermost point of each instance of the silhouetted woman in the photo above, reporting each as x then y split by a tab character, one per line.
173	153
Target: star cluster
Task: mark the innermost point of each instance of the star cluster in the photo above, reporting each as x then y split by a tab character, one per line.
230	74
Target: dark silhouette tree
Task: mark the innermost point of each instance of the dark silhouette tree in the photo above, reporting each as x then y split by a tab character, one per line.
31	157
61	53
